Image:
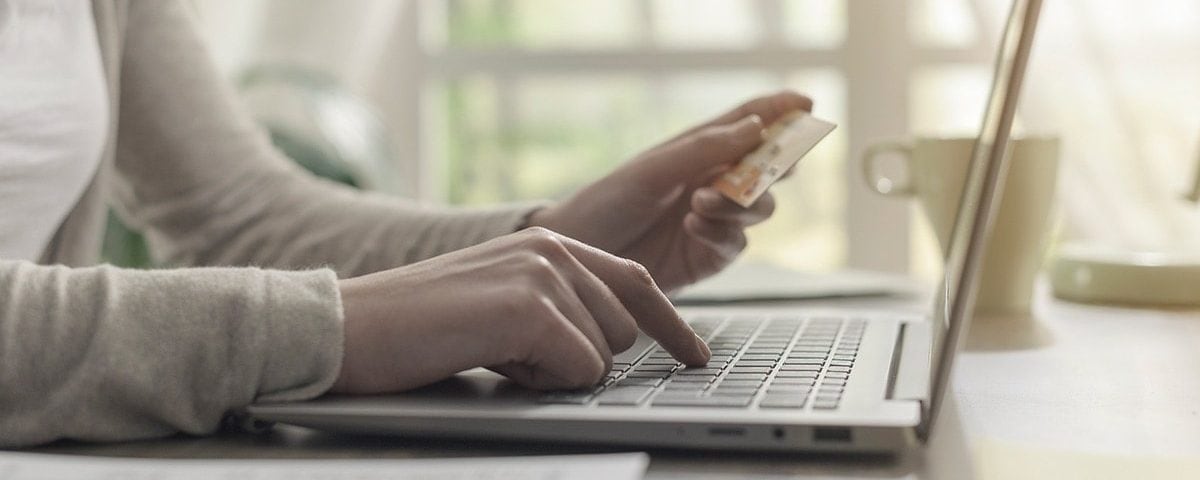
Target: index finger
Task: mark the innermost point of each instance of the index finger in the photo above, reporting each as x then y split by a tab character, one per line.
768	107
636	289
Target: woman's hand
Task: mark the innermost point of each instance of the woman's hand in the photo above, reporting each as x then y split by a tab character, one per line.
658	210
540	308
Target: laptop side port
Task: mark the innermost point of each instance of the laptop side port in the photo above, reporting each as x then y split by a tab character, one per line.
727	431
831	434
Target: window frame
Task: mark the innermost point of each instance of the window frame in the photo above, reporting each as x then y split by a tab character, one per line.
878	59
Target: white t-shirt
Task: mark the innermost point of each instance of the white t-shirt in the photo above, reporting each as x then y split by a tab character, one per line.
53	118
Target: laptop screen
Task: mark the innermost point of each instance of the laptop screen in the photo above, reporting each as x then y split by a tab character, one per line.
981	194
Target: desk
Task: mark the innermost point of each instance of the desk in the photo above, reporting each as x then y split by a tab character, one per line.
1112	380
1108	380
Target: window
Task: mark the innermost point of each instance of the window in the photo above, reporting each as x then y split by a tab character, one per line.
525	99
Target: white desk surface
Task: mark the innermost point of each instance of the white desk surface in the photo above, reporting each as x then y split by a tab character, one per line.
1089	378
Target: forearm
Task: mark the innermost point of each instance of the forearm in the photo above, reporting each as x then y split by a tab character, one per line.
287	220
109	354
201	179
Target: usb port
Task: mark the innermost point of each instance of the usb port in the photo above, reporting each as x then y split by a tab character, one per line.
831	434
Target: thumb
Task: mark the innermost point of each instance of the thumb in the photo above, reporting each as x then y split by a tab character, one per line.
719	145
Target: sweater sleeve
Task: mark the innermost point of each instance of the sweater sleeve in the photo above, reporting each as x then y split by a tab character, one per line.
108	354
202	180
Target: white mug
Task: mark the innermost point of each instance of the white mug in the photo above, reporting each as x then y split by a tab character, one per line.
937	172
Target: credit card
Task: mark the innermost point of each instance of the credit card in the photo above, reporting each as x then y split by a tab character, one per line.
788	140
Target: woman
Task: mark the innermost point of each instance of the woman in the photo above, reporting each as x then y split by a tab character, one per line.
319	288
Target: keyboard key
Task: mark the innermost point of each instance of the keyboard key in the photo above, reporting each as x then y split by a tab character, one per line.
737	369
638	382
836	368
703	380
754	363
815	341
745	376
692	389
793	381
735	392
772	401
739	383
760	357
835	375
637	374
795	374
804	367
786	390
719	401
827	397
653	368
825	405
624	395
698	371
806	362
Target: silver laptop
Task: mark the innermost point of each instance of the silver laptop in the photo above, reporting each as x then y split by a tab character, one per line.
778	380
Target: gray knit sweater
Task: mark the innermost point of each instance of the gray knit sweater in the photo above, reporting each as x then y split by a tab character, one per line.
100	353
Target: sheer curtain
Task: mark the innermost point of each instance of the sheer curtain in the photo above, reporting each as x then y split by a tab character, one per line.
1120	81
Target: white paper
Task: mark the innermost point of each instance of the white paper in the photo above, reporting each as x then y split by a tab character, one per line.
32	466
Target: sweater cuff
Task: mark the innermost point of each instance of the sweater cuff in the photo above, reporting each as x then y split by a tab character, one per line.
303	346
521	213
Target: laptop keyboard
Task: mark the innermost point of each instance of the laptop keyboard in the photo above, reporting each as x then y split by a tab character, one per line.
764	362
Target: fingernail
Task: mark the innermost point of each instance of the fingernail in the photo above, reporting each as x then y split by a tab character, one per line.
757	123
709	196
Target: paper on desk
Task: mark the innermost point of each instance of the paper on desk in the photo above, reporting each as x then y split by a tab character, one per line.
32	466
997	460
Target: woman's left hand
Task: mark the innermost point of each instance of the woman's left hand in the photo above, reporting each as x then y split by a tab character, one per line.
658	208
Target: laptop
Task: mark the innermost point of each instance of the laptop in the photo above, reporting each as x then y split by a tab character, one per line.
779	379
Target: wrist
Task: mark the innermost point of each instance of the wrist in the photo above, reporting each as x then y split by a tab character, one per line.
351	320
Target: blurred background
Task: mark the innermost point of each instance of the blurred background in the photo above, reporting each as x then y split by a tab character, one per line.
481	101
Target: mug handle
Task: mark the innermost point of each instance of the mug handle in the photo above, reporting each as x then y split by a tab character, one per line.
869	170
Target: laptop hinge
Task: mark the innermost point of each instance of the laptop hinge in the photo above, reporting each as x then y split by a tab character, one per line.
910	375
